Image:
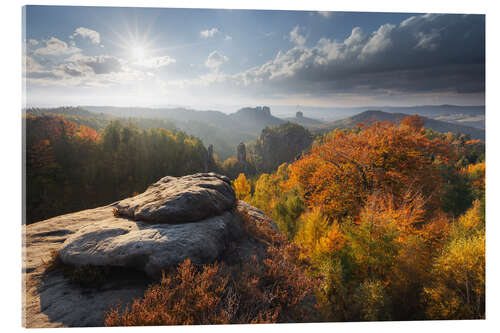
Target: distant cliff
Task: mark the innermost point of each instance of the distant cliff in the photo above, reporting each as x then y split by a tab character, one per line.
279	144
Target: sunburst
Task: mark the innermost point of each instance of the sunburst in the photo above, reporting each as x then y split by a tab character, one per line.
136	45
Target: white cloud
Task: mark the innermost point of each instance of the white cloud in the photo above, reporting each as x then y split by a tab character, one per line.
32	65
209	33
101	64
379	40
54	46
73	70
215	60
33	42
155	62
296	37
228	37
93	35
428	41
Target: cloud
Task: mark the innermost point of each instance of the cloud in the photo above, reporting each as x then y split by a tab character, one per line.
54	46
423	54
34	70
31	65
74	69
209	33
379	40
88	71
102	64
296	37
228	37
155	62
428	40
215	60
93	35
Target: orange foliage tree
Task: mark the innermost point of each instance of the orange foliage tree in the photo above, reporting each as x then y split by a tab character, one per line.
339	174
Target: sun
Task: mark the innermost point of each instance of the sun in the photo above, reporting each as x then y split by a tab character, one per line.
138	53
136	45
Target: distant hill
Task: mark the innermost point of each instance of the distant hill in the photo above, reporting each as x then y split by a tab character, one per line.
473	115
249	120
223	131
371	116
175	114
433	111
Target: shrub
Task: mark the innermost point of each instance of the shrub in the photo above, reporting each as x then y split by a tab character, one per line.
86	276
272	289
189	296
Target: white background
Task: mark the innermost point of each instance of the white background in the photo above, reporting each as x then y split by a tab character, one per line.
10	175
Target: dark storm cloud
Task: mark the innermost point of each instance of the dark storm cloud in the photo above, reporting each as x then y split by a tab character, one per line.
428	53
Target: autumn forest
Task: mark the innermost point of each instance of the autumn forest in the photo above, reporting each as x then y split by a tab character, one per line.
386	221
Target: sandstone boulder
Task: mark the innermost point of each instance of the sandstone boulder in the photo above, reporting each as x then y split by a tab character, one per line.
149	247
174	219
180	200
153	231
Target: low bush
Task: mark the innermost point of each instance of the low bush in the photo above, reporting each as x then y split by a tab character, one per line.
268	290
86	276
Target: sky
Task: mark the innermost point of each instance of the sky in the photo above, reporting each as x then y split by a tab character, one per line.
221	59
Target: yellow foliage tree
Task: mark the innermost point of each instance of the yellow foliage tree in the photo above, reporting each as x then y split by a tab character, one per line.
457	290
316	236
242	187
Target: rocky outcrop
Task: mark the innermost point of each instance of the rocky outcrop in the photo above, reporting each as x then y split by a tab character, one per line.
180	200
136	234
280	144
149	248
241	153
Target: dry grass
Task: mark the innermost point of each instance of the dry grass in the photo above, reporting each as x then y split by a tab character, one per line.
116	212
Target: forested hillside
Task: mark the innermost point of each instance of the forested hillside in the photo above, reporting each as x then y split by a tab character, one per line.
391	217
70	167
372	116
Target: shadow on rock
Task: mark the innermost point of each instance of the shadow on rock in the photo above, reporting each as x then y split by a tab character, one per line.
72	305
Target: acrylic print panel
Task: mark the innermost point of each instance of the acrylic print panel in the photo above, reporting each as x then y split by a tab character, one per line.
208	166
